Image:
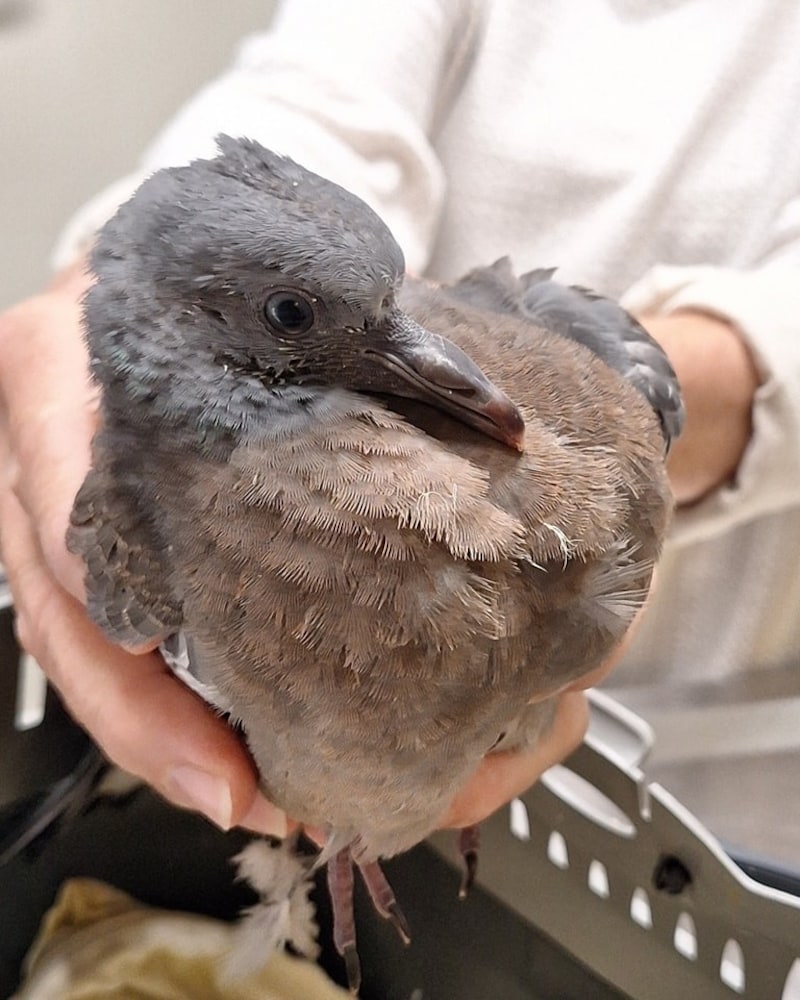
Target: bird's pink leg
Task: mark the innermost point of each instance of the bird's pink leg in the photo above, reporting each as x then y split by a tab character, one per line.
340	887
469	840
383	898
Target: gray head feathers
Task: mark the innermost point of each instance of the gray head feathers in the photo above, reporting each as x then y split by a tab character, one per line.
250	208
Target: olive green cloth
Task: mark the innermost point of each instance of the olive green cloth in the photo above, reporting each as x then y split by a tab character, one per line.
98	943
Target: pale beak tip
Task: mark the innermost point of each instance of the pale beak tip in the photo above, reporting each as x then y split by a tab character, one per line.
508	421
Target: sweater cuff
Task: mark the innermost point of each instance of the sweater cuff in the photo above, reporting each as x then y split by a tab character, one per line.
764	306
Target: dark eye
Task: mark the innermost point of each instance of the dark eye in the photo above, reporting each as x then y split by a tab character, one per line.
288	312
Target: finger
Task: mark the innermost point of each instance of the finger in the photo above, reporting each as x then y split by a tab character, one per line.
142	717
502	776
51	414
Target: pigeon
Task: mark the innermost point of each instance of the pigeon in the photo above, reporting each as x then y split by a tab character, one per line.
370	517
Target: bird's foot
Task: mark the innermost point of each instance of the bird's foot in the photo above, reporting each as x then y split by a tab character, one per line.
383	898
468	843
340	886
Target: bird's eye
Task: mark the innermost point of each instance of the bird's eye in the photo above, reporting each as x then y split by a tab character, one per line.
289	312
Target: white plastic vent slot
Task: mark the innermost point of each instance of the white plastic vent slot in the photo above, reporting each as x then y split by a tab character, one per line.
685	936
519	823
641	913
557	850
31	694
731	966
791	988
598	879
588	800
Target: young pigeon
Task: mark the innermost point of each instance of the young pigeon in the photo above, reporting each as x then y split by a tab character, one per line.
312	486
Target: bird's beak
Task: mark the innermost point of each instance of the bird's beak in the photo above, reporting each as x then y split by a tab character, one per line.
415	363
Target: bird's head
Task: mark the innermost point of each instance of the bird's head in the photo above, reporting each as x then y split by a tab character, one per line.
249	269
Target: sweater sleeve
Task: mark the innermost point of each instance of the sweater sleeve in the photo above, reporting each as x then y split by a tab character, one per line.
763	303
351	90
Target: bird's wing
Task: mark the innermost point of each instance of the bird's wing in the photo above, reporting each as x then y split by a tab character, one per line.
589	488
126	571
587	318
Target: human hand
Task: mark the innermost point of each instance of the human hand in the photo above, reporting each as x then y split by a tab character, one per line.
718	379
146	720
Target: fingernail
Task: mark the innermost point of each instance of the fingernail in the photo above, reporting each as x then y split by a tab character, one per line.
264	817
207	793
